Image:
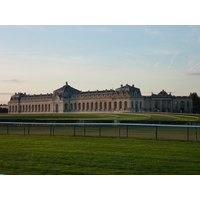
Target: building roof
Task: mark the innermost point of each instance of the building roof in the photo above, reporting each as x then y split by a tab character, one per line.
66	91
130	89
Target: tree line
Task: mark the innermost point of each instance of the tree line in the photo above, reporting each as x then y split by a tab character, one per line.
196	103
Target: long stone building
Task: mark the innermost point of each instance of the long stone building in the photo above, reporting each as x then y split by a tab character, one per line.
123	99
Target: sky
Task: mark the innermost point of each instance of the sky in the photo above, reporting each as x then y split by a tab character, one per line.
39	59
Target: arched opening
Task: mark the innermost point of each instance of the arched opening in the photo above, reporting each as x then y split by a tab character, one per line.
79	106
125	105
182	107
96	106
120	105
83	106
136	106
35	108
115	105
57	108
66	107
100	106
109	105
71	107
131	104
105	105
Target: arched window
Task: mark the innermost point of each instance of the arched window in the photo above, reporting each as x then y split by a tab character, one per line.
105	105
96	106
132	104
57	107
120	105
87	107
109	105
79	106
188	104
115	105
182	106
66	107
83	106
71	107
100	106
136	106
125	105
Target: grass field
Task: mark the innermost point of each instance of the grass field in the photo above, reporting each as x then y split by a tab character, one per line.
168	133
100	117
66	155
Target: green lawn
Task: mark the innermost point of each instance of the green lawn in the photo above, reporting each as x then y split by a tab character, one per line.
103	116
28	154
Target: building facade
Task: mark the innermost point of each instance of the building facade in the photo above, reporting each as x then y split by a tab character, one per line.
124	99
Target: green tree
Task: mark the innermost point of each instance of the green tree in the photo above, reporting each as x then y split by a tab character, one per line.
196	103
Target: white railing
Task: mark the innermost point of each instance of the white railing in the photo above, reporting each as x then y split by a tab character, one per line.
27	127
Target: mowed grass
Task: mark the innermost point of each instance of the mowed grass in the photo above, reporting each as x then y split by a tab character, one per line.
100	117
68	155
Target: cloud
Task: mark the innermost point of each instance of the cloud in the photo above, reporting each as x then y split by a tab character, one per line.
17	52
172	59
194	74
151	32
193	67
12	81
4	93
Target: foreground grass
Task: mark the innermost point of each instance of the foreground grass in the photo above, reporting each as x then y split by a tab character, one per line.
66	155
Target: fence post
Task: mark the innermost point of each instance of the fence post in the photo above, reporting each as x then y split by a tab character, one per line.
28	130
156	132
84	130
24	130
196	134
100	131
188	134
127	131
119	132
74	130
50	130
8	129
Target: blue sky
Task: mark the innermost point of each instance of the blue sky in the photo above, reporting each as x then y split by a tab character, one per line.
40	59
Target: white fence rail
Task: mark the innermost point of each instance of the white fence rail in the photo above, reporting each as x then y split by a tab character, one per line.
154	131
